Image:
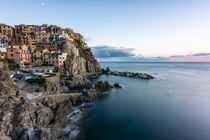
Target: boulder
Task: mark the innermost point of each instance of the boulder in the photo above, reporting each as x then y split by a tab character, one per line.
103	86
75	81
117	85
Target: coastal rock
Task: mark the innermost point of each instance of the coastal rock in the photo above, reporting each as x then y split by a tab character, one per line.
51	85
95	91
127	74
75	81
24	119
117	85
79	60
43	117
103	86
106	71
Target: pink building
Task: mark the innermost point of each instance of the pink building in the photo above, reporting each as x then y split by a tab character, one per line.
19	54
56	58
4	39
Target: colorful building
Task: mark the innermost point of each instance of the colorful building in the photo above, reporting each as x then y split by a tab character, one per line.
4	39
6	30
42	37
3	51
56	58
34	28
22	34
21	55
76	36
39	55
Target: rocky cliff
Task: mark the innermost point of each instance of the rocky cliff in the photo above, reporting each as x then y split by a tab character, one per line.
80	60
19	117
41	118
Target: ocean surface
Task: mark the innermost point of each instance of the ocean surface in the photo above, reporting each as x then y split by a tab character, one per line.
173	106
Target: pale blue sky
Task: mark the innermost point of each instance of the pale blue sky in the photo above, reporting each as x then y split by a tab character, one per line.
152	27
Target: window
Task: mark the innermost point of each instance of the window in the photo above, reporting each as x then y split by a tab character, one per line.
12	55
11	50
60	61
56	61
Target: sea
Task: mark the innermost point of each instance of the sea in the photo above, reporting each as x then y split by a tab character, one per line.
173	106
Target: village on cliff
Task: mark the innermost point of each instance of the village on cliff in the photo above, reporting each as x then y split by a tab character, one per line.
33	45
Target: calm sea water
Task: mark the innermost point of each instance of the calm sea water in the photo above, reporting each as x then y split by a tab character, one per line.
173	106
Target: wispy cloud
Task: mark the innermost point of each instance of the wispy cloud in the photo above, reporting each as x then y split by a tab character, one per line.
108	51
201	54
120	54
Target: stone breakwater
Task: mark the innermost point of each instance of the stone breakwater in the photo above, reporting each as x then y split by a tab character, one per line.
127	74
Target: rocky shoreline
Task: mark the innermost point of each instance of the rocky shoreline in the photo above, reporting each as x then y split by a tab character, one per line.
50	114
127	74
43	117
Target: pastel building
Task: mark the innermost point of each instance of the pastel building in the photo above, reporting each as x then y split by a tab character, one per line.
39	55
21	55
56	58
4	39
6	30
3	51
42	37
34	28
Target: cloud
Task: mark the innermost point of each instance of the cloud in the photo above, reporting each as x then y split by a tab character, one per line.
197	57
121	54
177	56
196	54
109	52
201	54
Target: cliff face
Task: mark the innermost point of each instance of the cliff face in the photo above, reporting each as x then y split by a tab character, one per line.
18	116
80	60
41	118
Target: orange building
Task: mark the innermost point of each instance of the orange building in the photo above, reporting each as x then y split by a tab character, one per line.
23	33
76	36
6	30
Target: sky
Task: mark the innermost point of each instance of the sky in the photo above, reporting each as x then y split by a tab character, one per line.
146	29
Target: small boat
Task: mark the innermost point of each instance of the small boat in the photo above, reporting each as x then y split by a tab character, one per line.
28	77
15	79
37	73
45	75
17	76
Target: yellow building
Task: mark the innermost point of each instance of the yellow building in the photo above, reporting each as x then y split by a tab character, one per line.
39	55
24	31
6	30
69	37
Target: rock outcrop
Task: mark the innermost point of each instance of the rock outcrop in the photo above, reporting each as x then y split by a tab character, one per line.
127	74
80	60
117	85
51	85
40	118
94	92
19	116
75	81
